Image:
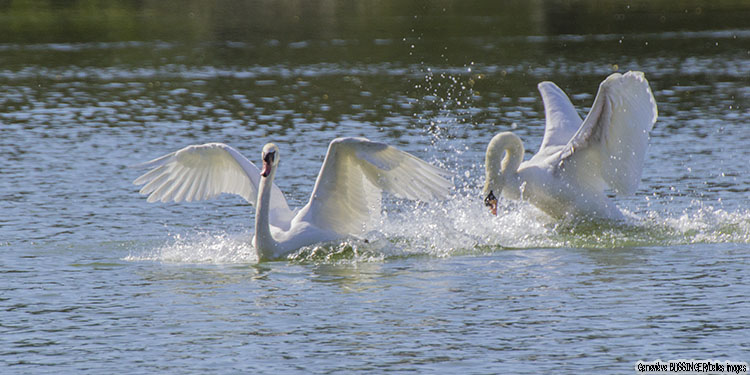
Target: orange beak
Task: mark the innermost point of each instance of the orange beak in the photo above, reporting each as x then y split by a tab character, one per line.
491	202
267	161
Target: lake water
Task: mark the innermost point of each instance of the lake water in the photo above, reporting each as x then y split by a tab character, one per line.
96	280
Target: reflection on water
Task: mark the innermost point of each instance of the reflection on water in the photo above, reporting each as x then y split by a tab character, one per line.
30	21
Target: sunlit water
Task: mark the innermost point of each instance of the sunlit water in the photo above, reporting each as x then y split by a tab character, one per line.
95	280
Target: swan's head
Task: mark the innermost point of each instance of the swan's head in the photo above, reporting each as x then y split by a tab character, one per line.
504	155
270	159
490	200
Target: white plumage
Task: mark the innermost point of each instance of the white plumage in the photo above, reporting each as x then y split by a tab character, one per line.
578	160
346	194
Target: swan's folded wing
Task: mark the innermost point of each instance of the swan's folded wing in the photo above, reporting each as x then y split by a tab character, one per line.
356	170
200	172
562	120
613	139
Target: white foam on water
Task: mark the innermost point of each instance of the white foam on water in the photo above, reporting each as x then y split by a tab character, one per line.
463	226
702	223
201	247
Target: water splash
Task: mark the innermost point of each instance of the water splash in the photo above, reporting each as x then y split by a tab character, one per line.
702	223
348	251
462	226
201	247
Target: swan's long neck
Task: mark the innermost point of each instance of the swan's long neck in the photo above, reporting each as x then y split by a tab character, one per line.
504	156
265	244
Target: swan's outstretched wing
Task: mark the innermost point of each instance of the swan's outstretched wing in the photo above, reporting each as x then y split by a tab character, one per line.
200	172
355	171
612	141
562	120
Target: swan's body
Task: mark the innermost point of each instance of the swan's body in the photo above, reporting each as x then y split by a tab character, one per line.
347	191
578	159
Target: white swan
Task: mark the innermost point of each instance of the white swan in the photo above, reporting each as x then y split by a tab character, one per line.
578	159
347	191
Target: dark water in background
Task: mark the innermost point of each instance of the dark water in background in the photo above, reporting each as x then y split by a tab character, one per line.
95	280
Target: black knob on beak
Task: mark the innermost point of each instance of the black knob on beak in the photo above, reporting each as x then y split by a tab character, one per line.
490	200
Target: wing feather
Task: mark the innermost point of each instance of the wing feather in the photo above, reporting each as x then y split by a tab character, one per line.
201	172
611	144
561	119
185	188
356	171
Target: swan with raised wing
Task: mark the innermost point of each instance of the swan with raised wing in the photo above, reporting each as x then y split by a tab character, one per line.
578	159
346	195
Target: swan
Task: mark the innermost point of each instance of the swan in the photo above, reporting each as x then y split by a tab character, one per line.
347	191
577	160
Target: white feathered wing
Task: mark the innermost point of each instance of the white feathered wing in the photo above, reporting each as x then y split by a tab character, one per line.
610	146
201	172
355	171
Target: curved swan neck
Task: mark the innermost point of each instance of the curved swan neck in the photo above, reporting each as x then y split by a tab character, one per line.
264	241
504	154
